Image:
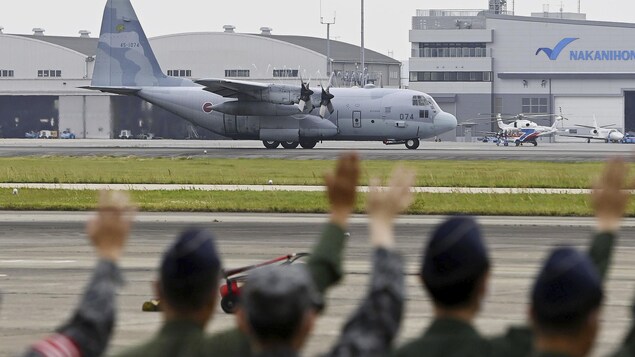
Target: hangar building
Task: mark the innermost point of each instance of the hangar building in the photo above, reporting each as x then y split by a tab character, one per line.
490	61
40	76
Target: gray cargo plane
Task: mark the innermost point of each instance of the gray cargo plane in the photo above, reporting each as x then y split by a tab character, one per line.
274	113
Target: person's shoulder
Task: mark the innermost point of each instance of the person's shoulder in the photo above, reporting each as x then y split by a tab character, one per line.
517	341
227	343
136	351
465	346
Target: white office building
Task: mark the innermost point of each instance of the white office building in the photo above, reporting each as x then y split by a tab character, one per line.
490	61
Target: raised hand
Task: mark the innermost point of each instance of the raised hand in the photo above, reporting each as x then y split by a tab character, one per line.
384	205
342	188
109	229
610	196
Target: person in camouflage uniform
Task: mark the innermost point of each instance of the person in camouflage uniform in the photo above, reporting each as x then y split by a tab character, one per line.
88	331
279	305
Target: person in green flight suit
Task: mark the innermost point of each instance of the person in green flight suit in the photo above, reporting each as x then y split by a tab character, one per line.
325	261
188	282
455	273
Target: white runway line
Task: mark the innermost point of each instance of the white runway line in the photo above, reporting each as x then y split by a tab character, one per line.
286	188
218	218
37	261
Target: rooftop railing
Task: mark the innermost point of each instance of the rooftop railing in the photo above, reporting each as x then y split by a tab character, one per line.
457	13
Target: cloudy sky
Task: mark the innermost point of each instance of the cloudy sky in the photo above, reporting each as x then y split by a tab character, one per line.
387	22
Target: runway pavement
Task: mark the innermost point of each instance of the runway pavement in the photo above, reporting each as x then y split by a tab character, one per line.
45	261
545	151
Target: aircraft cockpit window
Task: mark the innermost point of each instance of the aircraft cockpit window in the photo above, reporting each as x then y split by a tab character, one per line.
431	101
420	101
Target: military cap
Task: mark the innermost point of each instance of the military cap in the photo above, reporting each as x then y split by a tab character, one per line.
567	288
191	263
454	253
276	299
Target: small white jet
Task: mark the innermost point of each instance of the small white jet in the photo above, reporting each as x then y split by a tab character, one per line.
605	133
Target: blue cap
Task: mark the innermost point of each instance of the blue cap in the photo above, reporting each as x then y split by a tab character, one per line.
455	253
190	268
567	288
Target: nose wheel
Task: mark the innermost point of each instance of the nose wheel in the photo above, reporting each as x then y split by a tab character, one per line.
412	144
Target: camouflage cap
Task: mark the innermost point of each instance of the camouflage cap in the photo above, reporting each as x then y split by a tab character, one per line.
276	299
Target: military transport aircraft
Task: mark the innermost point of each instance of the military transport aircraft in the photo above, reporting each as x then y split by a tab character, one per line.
274	113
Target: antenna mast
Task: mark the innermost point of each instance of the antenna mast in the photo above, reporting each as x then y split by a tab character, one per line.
363	54
328	24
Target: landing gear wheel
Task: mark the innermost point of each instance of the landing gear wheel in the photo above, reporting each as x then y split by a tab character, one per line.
535	143
229	304
271	144
412	144
290	144
307	144
517	144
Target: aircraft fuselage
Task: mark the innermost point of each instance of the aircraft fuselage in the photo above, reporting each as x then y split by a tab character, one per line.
360	114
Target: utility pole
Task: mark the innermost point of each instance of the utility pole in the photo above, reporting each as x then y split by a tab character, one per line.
363	52
329	64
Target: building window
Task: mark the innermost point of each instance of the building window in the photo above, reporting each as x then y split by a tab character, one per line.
535	105
450	76
394	74
434	49
180	72
6	73
45	73
285	73
236	73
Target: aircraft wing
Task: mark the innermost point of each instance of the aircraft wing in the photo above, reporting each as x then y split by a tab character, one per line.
585	126
582	136
241	90
114	90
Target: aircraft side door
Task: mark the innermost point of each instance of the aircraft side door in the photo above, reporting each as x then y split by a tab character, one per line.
230	124
357	119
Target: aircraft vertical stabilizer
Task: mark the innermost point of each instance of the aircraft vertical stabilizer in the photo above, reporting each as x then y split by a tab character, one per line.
124	55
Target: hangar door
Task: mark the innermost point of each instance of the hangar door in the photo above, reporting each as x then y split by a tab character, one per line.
580	110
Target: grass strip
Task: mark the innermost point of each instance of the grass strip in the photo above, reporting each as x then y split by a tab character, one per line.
303	202
450	173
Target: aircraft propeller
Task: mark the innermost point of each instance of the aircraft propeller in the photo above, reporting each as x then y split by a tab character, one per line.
305	95
325	103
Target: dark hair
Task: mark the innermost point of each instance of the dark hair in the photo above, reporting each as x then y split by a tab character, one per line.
191	293
565	322
458	293
279	326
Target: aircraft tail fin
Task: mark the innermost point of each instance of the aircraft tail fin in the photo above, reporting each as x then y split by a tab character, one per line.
499	120
595	123
124	55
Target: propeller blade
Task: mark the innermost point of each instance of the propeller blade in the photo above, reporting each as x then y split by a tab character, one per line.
305	95
325	103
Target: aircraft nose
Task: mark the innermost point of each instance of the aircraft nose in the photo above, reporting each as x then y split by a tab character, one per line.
445	122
